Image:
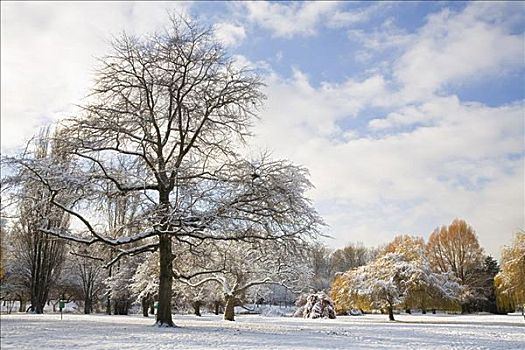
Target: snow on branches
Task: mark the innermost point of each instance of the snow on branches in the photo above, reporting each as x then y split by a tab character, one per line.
237	267
163	127
318	305
396	279
510	281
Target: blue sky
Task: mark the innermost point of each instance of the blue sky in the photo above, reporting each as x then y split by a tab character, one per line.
408	114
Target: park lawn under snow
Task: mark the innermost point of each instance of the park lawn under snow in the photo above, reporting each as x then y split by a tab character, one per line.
75	331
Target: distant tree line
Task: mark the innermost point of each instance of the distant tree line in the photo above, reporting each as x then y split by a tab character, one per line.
449	272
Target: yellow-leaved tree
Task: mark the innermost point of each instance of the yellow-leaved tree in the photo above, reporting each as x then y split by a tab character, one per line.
400	277
455	249
510	281
344	296
411	247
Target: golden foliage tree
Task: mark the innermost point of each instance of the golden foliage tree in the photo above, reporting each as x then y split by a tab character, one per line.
340	295
455	248
419	294
400	277
344	296
410	246
510	281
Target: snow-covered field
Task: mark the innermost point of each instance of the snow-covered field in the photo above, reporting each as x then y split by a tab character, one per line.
26	331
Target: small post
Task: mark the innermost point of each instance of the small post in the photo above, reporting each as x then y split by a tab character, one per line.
61	305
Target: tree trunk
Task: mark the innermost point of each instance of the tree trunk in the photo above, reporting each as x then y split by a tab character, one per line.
229	309
37	306
88	306
38	294
38	309
152	306
391	313
108	306
217	304
121	307
165	283
22	307
108	301
197	308
145	306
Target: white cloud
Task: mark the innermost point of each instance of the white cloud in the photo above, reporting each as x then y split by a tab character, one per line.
454	47
301	109
48	56
229	34
387	37
372	186
431	158
347	18
289	19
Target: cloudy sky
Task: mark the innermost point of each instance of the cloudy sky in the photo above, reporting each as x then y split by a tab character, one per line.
408	115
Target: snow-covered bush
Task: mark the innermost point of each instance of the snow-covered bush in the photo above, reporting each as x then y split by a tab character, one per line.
318	305
300	303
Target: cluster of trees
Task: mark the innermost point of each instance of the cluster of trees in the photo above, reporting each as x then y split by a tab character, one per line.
153	168
147	196
449	272
327	263
399	277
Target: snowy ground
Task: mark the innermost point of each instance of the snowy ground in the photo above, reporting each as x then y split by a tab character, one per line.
27	331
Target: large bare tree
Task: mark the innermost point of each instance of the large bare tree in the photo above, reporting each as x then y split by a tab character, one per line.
164	121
